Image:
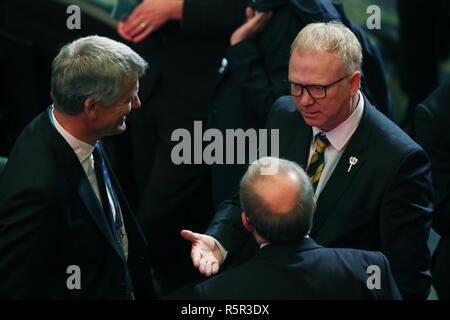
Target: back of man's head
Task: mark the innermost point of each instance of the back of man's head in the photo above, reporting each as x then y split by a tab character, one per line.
279	206
92	67
333	37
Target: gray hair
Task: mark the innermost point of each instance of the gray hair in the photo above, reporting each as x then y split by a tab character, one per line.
331	37
278	228
92	67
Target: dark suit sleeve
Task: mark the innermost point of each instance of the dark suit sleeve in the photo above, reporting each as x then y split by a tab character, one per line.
405	222
212	17
28	237
227	227
430	135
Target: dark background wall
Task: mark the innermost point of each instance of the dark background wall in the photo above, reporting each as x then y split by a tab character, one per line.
31	34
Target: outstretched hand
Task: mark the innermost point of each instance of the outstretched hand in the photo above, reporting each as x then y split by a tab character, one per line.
205	254
254	24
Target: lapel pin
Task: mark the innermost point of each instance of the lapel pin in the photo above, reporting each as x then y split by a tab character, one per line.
352	161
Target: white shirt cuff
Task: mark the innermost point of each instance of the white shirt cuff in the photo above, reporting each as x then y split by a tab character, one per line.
223	252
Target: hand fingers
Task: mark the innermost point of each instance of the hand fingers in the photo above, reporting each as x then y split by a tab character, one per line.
196	256
188	235
214	268
249	13
138	29
205	267
134	22
122	33
143	34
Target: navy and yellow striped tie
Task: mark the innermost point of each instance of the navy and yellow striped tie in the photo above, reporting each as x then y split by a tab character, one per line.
317	160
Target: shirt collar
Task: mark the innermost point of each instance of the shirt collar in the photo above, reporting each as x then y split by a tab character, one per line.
340	135
81	149
264	244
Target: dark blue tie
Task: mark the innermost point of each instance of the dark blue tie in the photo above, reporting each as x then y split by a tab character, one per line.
102	175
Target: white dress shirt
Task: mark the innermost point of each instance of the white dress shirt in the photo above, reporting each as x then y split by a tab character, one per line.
339	138
83	151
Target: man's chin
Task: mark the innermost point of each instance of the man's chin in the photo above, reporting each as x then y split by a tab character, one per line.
116	131
121	129
122	126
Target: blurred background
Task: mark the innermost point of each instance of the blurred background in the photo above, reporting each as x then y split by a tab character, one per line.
414	41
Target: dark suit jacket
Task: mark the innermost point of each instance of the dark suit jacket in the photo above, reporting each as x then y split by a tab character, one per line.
384	203
302	271
184	58
432	133
51	219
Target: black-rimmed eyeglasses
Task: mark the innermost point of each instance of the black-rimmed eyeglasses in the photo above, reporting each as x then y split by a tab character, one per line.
316	91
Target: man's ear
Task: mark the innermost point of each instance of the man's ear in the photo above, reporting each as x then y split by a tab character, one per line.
355	80
246	222
90	109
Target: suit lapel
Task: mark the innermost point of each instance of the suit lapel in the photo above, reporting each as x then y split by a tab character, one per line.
341	177
92	204
77	178
134	233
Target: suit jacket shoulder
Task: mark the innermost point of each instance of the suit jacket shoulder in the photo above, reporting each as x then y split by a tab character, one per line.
303	271
33	160
283	112
374	124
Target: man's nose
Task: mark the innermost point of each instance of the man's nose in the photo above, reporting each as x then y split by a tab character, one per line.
136	103
304	99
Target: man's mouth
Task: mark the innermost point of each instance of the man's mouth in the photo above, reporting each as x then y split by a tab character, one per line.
310	113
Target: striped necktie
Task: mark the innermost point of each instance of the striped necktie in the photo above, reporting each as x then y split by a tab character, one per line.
116	224
318	160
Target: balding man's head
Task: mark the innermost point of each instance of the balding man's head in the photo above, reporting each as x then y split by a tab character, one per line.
278	206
